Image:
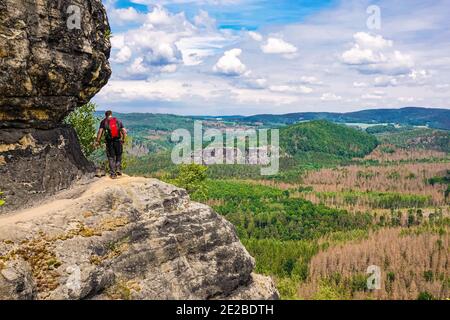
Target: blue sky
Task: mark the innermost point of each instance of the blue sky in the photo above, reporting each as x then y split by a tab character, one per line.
248	15
218	57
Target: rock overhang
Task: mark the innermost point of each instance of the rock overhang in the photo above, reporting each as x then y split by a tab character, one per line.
48	67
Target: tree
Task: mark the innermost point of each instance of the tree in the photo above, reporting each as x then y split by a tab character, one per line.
83	120
192	178
411	218
425	295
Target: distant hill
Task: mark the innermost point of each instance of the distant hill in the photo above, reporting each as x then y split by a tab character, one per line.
434	118
417	138
152	121
325	137
410	116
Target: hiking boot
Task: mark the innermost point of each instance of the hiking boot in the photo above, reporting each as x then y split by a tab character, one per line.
113	176
99	173
119	174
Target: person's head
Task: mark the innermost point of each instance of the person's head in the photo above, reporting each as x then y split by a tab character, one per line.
108	114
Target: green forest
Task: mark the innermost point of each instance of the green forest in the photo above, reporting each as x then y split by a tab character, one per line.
340	188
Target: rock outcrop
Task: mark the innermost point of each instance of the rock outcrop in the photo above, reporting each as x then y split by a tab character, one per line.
53	58
36	163
132	238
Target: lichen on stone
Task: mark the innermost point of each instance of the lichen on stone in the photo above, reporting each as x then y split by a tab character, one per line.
123	289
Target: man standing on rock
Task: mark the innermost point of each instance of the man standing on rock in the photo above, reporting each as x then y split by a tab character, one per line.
115	135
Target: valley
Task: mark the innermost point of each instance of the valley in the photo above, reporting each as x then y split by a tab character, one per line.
346	197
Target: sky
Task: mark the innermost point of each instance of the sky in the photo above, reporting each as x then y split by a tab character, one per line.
229	57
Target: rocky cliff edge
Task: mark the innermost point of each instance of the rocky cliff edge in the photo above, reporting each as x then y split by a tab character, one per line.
132	238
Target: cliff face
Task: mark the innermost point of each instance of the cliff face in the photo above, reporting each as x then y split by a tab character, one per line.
52	60
36	163
132	238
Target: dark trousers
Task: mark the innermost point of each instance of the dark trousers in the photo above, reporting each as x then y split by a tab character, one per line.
114	152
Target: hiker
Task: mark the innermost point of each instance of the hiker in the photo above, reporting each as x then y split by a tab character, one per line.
115	135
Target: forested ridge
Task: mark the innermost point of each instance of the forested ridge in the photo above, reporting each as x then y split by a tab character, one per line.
340	191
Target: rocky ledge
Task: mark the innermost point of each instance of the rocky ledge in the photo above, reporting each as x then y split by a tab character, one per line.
132	238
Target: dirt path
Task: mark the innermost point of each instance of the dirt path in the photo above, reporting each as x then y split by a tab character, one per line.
65	198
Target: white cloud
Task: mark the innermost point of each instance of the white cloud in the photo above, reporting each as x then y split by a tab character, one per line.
161	89
204	20
159	16
196	49
360	84
253	83
165	41
170	68
310	80
152	47
384	81
230	64
163	53
128	15
376	95
165	44
361	56
123	55
330	97
374	54
291	89
366	40
278	46
246	96
173	90
399	63
118	41
255	36
419	76
138	67
369	96
406	99
415	78
123	16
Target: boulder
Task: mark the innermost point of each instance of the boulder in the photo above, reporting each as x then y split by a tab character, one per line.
132	238
49	66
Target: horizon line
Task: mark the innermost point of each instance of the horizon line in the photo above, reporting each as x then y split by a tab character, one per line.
281	114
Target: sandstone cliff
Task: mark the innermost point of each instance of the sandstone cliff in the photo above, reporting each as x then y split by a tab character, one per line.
132	238
47	69
36	163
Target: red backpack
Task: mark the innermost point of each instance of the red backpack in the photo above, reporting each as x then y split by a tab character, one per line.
112	128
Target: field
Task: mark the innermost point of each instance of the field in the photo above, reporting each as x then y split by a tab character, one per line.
345	199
